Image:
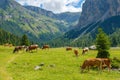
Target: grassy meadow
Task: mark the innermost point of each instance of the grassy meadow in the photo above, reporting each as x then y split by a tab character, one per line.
59	64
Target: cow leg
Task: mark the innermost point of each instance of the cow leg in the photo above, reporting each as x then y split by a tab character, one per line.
109	67
88	68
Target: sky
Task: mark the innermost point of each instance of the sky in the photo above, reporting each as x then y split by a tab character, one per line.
56	6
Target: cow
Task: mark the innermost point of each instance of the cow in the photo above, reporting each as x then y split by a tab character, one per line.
45	47
92	62
85	50
32	47
106	62
68	48
76	52
18	48
8	44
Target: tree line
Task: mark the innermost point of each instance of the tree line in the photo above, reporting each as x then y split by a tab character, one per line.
6	37
87	40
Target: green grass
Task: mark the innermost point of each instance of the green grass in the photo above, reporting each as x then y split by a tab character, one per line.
67	67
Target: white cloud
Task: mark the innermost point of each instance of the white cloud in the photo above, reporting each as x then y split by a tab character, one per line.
56	6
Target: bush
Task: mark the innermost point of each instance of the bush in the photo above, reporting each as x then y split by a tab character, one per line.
115	63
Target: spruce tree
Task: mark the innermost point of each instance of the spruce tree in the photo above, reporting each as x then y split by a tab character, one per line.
25	40
103	44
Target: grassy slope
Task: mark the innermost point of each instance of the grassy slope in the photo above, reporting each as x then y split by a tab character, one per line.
18	20
21	66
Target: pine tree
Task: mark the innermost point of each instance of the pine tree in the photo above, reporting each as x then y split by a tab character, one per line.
103	44
25	40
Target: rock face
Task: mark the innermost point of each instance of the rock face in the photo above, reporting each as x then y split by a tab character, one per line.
98	10
96	13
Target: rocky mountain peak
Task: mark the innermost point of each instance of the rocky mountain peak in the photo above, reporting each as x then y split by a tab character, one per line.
98	10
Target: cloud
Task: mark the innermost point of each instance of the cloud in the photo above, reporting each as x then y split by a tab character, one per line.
76	4
57	6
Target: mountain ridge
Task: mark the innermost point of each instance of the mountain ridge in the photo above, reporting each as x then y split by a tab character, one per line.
95	13
69	17
18	20
100	14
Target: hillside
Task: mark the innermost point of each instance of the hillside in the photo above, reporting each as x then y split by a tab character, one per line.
93	16
18	20
70	17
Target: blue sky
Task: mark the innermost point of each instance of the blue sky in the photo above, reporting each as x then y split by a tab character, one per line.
57	6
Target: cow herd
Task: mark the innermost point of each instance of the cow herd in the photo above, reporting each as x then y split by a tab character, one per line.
101	63
97	62
29	48
86	49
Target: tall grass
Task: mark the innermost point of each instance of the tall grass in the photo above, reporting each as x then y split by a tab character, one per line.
66	65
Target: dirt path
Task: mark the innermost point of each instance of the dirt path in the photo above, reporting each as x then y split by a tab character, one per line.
5	75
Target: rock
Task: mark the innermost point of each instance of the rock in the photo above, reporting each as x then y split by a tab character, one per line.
37	68
93	11
41	64
52	65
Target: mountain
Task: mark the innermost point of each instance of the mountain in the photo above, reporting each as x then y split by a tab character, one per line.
70	17
98	10
41	11
95	13
18	20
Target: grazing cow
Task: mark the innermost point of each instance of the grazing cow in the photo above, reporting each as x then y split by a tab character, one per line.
85	50
45	47
106	62
76	52
92	62
8	44
32	47
68	48
18	48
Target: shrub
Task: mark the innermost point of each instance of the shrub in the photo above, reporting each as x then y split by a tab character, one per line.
115	63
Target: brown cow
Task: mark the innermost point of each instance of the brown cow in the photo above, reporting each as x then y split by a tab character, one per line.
68	48
92	62
76	52
32	47
8	44
45	47
18	48
106	62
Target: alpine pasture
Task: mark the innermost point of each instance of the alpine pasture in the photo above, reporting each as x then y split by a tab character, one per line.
58	64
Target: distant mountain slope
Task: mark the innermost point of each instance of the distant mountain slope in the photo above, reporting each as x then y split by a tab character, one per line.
41	11
19	20
70	17
95	13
